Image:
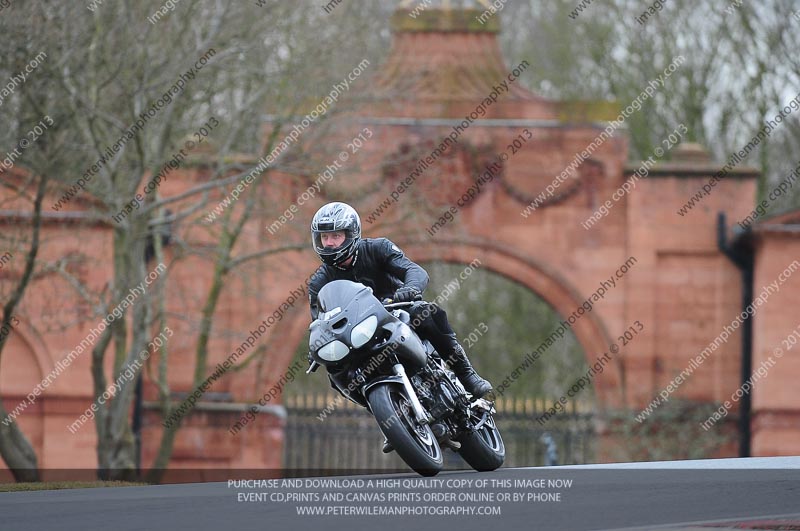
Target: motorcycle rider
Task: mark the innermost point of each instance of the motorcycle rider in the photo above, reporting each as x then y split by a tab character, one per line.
382	266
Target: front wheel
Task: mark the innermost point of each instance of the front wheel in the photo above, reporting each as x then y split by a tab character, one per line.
483	449
415	444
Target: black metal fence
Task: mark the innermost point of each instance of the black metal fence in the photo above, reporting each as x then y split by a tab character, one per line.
345	438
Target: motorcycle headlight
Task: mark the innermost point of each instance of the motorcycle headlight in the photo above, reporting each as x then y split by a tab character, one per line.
333	351
362	332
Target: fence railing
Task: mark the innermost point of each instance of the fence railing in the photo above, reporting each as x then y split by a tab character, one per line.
349	440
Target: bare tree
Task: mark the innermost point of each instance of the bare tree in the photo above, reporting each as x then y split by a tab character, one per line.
131	91
741	65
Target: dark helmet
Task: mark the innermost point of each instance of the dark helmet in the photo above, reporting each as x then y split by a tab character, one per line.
335	217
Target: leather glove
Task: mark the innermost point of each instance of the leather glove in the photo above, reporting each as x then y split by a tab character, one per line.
406	294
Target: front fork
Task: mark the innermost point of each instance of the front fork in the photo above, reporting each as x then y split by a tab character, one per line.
419	412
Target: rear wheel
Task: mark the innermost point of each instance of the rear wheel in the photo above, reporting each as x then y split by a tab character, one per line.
414	443
483	449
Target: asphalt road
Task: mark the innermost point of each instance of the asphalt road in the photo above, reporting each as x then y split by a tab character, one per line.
682	495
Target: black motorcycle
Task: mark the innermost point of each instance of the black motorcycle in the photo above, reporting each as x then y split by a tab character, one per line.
376	360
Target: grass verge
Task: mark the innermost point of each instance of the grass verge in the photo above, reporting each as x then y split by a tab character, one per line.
58	485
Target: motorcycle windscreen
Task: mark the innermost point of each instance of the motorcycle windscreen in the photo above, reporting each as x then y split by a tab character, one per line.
339	294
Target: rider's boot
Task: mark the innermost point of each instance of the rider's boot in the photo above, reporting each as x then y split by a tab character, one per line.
472	382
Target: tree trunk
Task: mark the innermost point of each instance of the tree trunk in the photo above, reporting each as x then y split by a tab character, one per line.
17	451
15	448
116	448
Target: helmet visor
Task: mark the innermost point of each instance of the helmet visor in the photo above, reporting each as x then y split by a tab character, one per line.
319	242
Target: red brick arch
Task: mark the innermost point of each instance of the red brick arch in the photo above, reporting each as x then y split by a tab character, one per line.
541	278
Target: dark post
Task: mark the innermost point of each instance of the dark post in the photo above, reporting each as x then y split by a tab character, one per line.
744	261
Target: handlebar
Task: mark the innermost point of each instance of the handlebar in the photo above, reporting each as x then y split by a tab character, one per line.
388	304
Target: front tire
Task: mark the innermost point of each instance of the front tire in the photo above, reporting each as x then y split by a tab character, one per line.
416	445
483	449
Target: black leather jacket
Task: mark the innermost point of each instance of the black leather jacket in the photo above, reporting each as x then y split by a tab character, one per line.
379	264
